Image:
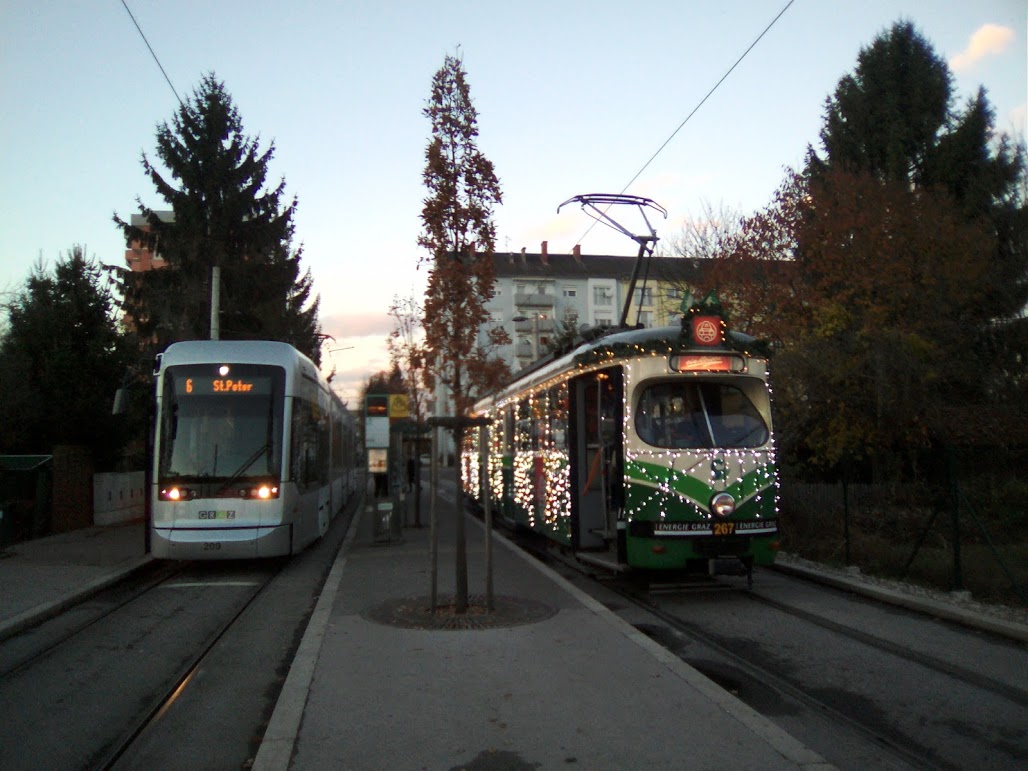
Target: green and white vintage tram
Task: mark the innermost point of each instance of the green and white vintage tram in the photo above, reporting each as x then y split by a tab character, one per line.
646	449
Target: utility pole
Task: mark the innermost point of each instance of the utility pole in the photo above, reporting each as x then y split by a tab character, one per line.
216	302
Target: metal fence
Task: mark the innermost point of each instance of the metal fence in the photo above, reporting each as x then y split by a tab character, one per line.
960	523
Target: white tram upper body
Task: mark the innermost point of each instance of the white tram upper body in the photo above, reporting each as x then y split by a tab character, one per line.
253	453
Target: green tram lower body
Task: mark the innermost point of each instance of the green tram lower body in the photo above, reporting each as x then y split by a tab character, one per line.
669	524
649	517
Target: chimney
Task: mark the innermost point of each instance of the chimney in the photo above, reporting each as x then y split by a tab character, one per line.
524	259
576	252
544	256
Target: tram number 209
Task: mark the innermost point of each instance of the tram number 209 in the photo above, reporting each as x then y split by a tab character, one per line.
724	528
211	546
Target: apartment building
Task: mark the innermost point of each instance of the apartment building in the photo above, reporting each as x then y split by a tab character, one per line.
540	297
138	255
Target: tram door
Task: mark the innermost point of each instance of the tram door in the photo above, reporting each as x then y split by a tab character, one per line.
597	456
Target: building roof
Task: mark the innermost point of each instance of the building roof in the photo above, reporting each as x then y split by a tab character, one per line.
575	266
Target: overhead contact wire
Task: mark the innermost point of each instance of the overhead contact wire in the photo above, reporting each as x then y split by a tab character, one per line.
698	106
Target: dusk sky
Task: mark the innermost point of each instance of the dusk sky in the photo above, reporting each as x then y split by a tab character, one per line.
572	97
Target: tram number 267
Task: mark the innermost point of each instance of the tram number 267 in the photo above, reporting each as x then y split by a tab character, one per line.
211	546
724	528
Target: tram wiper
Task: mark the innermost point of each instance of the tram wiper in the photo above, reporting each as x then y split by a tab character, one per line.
264	448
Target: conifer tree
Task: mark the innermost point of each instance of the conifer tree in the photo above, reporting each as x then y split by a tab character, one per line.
224	216
62	357
894	119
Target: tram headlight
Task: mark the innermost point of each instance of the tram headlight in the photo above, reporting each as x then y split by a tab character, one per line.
262	492
267	491
722	505
176	493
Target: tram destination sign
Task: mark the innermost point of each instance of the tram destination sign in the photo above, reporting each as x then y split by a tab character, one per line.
706	362
224	386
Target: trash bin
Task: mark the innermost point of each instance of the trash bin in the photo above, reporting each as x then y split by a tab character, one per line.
388	524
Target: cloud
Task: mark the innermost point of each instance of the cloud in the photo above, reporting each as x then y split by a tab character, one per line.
987	40
351	368
346	325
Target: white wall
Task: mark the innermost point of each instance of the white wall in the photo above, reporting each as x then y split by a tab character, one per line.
118	497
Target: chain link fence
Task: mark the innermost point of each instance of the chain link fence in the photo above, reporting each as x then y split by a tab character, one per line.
958	521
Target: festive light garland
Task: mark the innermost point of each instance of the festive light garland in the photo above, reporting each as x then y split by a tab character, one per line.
659	483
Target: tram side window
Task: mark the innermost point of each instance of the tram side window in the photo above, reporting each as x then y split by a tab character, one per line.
337	444
324	447
508	431
542	410
698	415
310	445
524	428
559	417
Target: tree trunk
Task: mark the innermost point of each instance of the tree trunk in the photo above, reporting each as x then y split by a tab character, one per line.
460	595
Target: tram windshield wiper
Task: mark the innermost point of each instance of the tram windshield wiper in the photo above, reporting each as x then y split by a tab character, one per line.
264	448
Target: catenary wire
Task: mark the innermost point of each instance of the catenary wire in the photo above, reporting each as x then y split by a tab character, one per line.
696	109
154	55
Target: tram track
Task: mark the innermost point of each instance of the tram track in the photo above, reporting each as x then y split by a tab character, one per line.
723	666
29	645
944	706
165	698
103	673
1012	693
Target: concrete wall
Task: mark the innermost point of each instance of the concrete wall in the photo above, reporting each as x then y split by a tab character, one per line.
118	497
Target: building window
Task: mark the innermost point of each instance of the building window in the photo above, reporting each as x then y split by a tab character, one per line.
570	292
646	318
602	296
603	322
643	296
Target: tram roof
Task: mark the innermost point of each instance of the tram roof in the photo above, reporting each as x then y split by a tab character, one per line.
215	351
626	340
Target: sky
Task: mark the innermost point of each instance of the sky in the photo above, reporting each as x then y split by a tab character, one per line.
572	97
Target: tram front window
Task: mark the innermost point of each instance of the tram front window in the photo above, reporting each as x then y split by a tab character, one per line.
699	415
221	427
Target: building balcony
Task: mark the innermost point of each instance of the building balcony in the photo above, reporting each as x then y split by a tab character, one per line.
533	300
523	350
531	326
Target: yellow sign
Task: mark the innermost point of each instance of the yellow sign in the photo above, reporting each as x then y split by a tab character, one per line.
398	406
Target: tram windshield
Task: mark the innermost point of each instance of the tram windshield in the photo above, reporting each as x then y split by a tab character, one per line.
221	422
701	415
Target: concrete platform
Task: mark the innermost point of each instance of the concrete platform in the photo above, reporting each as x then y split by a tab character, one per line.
42	577
576	686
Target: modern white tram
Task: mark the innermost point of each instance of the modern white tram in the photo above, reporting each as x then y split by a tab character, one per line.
253	453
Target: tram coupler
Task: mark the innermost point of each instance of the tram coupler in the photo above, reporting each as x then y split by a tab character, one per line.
731	566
